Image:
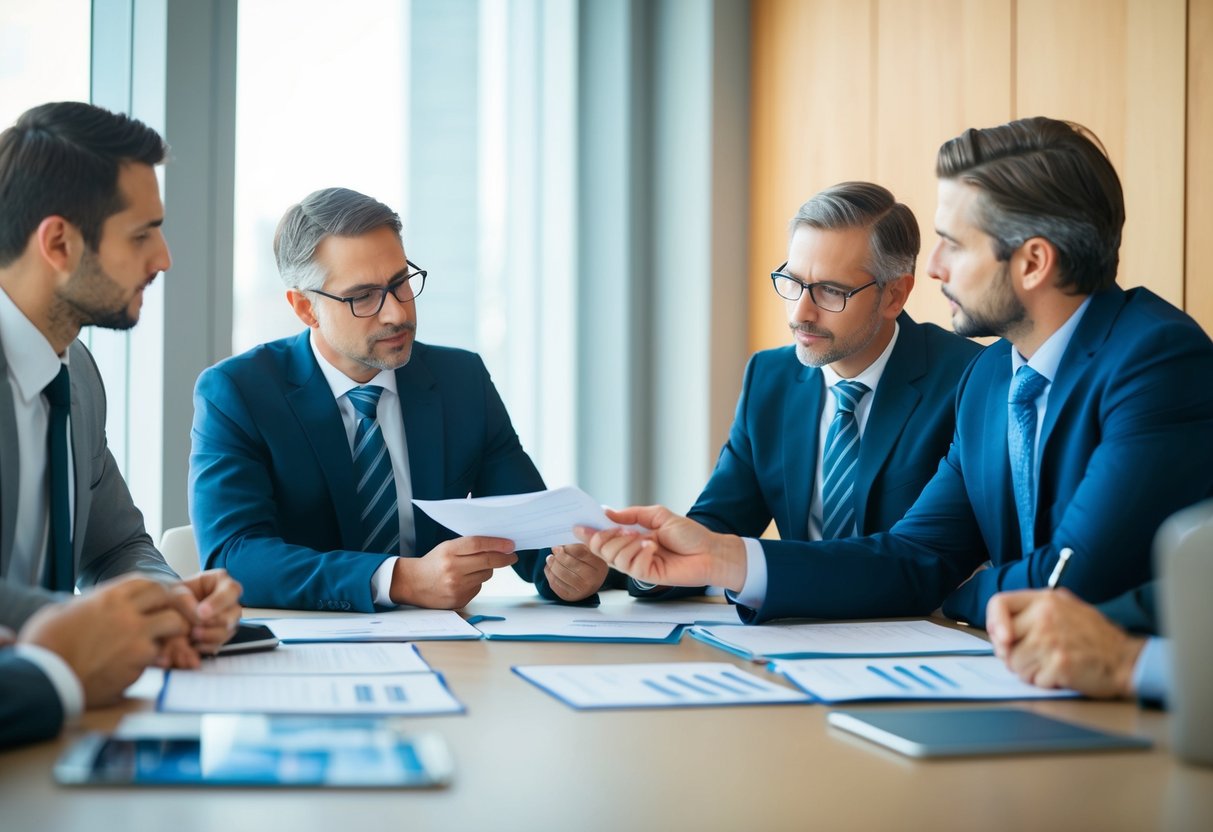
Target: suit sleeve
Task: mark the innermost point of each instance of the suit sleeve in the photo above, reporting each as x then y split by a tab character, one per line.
1154	457
232	507
905	571
1135	610
115	540
29	706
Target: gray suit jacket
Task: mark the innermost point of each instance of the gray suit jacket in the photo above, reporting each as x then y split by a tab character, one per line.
109	537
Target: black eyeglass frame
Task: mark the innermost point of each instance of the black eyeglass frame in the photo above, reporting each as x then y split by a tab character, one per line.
392	288
812	288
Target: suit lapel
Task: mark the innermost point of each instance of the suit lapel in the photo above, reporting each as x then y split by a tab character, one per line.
9	474
801	420
991	483
1091	334
82	455
311	398
895	399
423	426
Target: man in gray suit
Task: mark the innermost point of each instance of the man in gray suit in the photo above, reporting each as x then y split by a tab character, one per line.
80	240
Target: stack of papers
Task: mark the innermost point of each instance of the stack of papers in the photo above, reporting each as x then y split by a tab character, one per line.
630	621
836	640
943	677
678	685
398	625
312	679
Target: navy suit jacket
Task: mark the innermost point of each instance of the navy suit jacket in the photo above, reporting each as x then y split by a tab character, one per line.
272	493
1136	610
768	465
29	705
1125	443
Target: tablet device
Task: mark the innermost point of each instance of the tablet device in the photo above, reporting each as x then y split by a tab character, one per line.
267	751
955	732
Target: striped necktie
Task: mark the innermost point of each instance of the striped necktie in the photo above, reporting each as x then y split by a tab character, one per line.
1026	388
839	462
376	481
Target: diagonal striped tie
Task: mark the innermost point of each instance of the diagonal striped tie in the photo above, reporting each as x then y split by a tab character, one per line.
839	462
373	470
1026	388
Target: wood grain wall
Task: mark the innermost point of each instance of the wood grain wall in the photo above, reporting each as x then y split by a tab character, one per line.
869	89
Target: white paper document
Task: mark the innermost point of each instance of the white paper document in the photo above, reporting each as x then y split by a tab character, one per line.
532	521
841	639
383	693
319	659
626	620
938	677
398	625
677	685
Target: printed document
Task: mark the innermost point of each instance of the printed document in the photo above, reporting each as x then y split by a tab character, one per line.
941	677
188	691
319	659
398	625
838	639
676	685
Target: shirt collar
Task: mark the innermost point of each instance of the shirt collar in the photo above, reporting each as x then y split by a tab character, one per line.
340	383
32	362
871	376
1048	357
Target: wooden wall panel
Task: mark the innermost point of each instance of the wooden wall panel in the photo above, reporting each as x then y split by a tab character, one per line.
943	67
811	127
1118	67
1198	289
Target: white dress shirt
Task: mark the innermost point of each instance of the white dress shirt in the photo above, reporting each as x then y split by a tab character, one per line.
391	422
755	589
32	364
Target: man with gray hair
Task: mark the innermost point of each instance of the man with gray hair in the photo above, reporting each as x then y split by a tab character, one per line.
308	450
837	434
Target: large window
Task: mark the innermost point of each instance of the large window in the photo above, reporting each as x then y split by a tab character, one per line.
436	108
44	54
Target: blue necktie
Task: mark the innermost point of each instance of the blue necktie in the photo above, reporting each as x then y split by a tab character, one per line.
373	470
1026	387
839	462
59	572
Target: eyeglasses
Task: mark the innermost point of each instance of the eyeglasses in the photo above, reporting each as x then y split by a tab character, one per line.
368	302
827	296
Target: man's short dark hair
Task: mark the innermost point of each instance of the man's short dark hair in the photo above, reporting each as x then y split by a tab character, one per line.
1040	177
63	159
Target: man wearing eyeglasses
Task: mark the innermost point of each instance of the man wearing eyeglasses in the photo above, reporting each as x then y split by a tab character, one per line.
1082	429
308	450
837	434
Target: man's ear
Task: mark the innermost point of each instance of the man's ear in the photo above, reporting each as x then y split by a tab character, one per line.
896	293
302	306
1035	263
59	244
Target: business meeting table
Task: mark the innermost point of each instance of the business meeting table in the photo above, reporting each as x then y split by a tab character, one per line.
526	761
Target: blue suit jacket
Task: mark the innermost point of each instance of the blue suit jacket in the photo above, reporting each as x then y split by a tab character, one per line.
768	465
29	705
1125	443
272	493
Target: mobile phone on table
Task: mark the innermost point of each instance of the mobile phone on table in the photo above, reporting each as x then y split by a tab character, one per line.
249	638
259	750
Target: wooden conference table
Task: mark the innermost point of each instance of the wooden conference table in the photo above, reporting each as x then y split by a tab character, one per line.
529	762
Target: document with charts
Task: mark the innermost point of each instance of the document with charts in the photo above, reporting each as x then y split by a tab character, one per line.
659	685
841	639
380	693
628	621
320	660
930	677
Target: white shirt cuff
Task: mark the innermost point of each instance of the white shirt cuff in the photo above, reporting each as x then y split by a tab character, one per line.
1151	674
71	692
381	583
754	590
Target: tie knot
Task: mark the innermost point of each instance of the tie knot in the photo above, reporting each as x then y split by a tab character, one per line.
59	392
365	400
1027	385
848	394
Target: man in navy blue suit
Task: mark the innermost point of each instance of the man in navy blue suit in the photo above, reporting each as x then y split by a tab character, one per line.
1084	428
849	271
308	450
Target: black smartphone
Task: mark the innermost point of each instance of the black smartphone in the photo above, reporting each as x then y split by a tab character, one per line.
250	638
